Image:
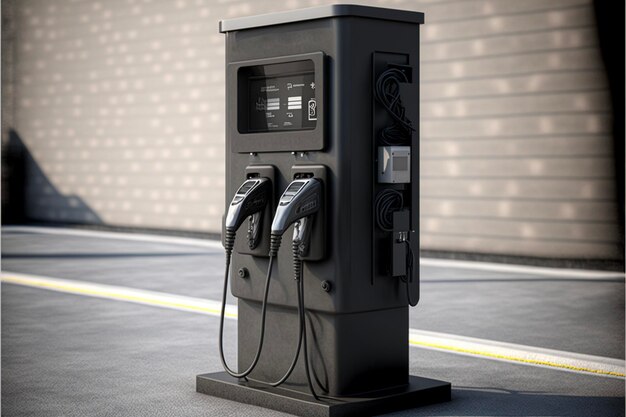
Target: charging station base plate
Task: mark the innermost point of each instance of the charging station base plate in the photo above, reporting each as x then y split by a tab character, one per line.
418	392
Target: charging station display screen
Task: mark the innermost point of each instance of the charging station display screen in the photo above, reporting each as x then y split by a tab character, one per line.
282	102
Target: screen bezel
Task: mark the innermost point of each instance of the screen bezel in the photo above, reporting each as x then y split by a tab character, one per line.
263	74
240	137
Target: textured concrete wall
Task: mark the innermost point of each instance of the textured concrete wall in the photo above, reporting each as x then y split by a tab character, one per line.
8	59
121	105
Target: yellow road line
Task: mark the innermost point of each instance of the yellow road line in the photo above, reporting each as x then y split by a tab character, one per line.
119	293
516	358
439	341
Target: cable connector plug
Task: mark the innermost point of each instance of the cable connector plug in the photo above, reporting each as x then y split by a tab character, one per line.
229	241
275	244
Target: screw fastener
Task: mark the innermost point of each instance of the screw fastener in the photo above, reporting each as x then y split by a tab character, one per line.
326	286
243	273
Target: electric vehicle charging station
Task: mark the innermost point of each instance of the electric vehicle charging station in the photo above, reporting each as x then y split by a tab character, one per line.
322	217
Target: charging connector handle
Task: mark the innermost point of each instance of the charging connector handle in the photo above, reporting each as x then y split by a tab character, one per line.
302	198
252	197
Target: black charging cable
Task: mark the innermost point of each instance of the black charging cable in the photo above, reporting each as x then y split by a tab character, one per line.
297	248
297	271
298	278
394	135
275	244
307	366
387	201
387	93
229	243
297	266
410	262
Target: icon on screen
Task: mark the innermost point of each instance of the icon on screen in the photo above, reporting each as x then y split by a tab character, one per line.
273	103
261	104
294	103
312	109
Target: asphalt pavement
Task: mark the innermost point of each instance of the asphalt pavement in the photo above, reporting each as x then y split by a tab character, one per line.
76	354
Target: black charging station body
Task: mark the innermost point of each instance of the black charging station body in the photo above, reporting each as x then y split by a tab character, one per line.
300	103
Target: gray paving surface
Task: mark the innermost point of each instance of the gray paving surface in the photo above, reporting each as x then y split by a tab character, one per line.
73	355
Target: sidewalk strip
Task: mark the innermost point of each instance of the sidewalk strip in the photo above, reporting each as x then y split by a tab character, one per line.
100	234
478	348
217	245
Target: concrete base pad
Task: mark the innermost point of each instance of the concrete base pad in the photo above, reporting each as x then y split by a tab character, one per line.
418	392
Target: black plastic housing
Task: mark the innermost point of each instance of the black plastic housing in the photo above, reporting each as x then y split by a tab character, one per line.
359	329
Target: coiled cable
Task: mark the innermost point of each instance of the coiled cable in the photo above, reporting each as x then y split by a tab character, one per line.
387	201
394	135
387	92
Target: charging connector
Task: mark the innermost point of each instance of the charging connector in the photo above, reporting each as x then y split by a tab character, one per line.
301	201
250	199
